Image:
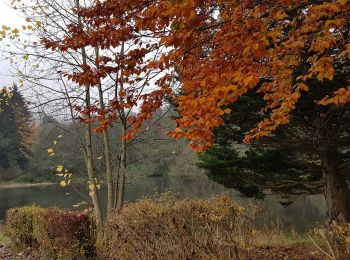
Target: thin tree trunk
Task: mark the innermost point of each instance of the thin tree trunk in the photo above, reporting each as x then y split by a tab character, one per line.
107	151
92	180
337	191
121	173
89	154
90	169
110	182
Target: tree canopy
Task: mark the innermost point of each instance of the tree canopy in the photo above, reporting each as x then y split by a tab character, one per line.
220	50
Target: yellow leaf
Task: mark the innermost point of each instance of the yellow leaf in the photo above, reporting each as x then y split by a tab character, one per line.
59	168
347	240
55	142
63	184
26	57
50	151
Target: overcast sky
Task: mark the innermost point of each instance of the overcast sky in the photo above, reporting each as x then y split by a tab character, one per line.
8	17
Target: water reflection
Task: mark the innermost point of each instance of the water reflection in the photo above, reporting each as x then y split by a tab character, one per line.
304	213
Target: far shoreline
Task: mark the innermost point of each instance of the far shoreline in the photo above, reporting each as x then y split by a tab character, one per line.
24	185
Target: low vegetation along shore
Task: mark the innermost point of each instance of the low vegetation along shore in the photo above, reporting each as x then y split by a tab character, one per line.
24	185
163	228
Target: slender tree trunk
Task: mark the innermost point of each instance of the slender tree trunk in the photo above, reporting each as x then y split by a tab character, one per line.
337	191
121	173
87	149
88	153
110	183
107	151
90	168
92	181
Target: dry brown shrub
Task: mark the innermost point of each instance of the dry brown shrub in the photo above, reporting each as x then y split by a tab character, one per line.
333	240
64	234
166	228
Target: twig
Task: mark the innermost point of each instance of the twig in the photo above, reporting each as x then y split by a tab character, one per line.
319	248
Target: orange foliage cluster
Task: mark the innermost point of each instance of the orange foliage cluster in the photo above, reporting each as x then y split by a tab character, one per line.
219	50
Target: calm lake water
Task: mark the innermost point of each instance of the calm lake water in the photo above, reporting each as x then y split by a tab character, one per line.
304	213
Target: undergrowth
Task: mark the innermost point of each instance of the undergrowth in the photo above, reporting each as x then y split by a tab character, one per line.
164	227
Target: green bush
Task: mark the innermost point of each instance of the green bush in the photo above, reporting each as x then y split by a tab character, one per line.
19	226
64	234
169	229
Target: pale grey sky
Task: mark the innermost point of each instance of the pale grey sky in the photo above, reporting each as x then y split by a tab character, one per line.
8	17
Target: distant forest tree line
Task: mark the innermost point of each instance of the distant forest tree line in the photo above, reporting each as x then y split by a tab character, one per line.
255	170
24	144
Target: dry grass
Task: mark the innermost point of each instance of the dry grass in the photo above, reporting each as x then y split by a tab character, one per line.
333	240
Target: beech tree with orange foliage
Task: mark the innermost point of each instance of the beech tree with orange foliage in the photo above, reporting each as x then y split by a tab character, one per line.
219	50
120	63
